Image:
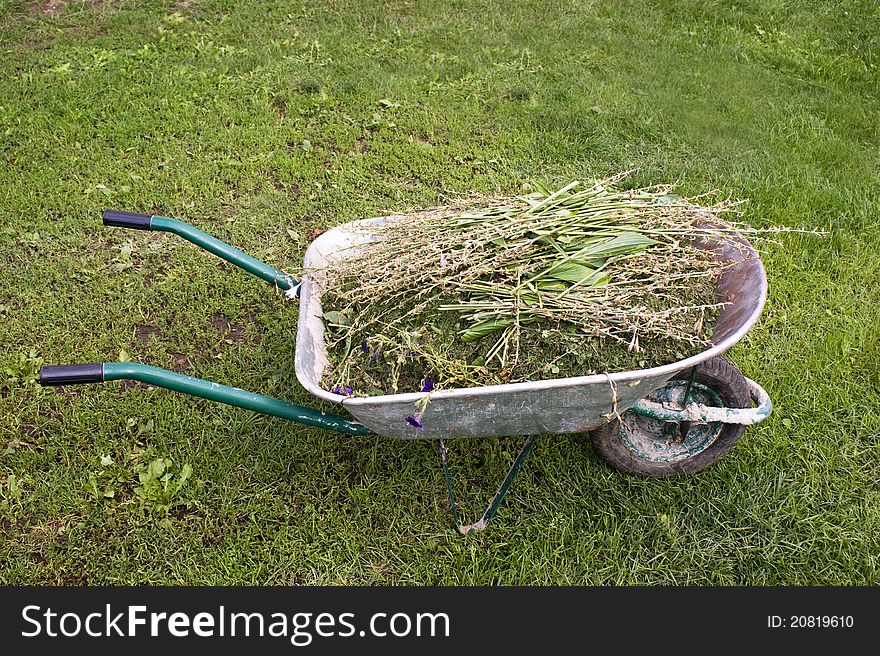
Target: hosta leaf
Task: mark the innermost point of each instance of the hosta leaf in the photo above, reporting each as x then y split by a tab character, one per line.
572	272
484	328
624	244
581	243
598	279
551	285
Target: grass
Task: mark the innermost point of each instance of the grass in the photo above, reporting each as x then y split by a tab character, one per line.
262	123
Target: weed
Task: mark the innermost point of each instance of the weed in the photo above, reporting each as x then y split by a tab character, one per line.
11	493
161	485
108	481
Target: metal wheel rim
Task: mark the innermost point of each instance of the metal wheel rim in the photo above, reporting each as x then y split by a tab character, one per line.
646	437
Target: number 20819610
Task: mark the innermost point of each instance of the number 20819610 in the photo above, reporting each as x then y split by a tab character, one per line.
810	622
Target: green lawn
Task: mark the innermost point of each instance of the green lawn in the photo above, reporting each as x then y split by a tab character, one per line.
264	122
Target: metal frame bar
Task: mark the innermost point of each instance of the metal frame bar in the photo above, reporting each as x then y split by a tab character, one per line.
696	412
224	251
233	396
495	503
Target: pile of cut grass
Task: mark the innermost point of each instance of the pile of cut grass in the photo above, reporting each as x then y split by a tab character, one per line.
581	280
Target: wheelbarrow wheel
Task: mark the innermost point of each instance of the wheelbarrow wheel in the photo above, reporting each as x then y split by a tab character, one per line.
651	447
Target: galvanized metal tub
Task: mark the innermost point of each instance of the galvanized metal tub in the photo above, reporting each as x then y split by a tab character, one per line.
561	405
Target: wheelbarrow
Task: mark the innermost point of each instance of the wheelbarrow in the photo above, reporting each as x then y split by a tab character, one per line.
673	419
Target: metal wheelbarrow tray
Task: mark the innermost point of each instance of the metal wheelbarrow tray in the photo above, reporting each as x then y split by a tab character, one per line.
676	418
562	405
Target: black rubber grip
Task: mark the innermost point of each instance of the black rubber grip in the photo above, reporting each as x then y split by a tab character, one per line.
72	374
132	220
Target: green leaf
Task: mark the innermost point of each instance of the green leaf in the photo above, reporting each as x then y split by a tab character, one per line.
582	243
484	328
669	199
624	244
337	318
599	279
572	272
540	188
551	285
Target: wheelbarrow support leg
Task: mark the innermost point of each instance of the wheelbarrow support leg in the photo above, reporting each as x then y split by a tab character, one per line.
527	447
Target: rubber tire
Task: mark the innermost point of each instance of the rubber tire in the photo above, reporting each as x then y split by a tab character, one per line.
719	374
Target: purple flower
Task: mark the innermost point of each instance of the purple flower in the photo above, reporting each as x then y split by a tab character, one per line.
342	391
428	386
364	346
415	422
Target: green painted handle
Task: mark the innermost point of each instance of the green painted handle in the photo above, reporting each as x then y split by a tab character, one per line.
202	239
203	389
